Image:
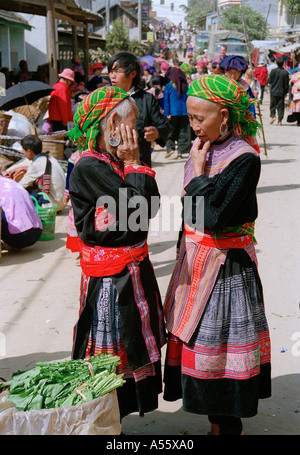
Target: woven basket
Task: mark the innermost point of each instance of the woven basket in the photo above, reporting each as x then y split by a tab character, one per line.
43	104
54	144
34	110
47	216
4	122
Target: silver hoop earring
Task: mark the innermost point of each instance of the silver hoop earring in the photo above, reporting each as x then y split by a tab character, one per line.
114	138
223	133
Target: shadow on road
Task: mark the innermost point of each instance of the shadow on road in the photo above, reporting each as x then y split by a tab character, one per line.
163	268
34	252
277	415
25	362
271	189
268	161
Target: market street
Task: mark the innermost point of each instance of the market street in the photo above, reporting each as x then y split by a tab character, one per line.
40	290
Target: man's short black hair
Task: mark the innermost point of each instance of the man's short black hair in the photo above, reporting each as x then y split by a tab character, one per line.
129	62
279	62
33	143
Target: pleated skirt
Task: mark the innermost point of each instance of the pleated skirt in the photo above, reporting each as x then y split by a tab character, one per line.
294	111
126	313
225	368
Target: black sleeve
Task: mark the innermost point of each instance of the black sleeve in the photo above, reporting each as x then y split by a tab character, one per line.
94	184
287	84
229	198
70	168
159	121
271	77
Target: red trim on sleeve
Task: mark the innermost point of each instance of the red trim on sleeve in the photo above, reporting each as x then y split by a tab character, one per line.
139	169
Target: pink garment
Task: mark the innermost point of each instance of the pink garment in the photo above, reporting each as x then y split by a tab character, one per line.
18	207
295	80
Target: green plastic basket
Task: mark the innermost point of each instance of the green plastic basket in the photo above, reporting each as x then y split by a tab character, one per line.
47	216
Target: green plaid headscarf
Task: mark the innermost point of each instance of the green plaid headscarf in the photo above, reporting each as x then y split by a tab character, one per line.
89	113
231	94
187	68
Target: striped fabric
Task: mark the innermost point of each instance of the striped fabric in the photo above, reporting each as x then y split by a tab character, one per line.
226	361
235	309
105	333
142	305
91	110
234	340
45	180
219	156
44	183
198	265
294	107
191	284
187	68
73	242
229	93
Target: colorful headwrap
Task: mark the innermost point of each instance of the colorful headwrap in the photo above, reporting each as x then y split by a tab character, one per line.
187	68
91	110
164	65
201	63
97	65
177	79
234	61
225	91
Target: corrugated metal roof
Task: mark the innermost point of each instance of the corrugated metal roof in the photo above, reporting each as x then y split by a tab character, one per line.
13	19
289	48
70	8
73	4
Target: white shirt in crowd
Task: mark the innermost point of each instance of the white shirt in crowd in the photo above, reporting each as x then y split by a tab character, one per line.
58	180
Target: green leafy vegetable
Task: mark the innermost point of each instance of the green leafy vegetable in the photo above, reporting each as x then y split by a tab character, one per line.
56	384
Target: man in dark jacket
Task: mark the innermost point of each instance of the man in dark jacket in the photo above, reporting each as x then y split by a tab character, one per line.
125	72
279	87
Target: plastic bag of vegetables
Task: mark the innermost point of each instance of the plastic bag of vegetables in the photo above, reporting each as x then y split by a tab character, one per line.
70	397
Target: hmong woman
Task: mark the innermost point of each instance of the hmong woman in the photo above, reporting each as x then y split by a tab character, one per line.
120	306
73	242
294	107
218	355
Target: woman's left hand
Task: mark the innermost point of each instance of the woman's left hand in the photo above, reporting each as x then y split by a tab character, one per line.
198	154
128	150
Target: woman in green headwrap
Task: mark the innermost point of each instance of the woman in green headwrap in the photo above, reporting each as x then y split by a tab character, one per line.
188	70
111	193
218	356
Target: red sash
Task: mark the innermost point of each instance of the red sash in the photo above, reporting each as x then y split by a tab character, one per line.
232	240
102	261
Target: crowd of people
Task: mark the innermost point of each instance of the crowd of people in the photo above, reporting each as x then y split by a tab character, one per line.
213	319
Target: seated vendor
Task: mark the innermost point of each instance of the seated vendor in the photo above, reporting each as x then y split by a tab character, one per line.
20	225
44	172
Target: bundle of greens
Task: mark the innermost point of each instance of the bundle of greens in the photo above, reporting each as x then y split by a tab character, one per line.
68	383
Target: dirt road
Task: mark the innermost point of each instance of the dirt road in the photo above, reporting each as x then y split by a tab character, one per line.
40	291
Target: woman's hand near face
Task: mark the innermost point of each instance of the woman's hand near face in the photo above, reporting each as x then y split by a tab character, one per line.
128	150
151	133
198	154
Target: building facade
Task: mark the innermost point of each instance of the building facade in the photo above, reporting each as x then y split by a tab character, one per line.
170	10
12	42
